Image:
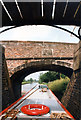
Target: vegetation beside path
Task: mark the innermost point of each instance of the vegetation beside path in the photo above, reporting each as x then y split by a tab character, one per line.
57	82
28	81
58	87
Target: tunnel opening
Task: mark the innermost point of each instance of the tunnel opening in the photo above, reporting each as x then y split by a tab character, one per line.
19	75
60	18
55	81
17	79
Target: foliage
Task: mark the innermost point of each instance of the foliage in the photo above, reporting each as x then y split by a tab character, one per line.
24	80
49	76
62	76
31	80
28	81
59	86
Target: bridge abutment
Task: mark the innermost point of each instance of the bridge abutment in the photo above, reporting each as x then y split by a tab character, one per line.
7	91
72	97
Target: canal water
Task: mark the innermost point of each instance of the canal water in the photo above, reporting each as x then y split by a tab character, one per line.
36	96
26	87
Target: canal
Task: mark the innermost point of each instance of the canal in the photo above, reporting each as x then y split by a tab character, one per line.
36	104
26	87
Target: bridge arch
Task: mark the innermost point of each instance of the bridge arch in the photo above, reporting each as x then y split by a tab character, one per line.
55	26
20	72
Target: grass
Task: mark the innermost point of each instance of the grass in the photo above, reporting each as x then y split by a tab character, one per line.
59	86
26	82
44	83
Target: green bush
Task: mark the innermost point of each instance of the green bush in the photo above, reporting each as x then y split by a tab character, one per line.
49	76
26	82
59	86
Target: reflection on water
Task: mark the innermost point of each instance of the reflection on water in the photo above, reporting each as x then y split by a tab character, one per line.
26	87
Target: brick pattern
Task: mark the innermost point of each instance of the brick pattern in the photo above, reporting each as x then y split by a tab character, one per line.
26	49
42	63
16	64
7	93
22	49
72	96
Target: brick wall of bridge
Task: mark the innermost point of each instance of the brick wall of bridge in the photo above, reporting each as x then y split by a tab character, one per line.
27	49
72	96
7	95
23	49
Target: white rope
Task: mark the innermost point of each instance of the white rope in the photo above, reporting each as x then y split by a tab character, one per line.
18	9
6	10
53	12
42	8
65	8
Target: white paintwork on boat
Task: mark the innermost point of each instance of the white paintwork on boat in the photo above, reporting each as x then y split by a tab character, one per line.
45	98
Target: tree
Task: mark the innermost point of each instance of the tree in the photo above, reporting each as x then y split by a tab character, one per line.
49	76
24	80
30	80
62	76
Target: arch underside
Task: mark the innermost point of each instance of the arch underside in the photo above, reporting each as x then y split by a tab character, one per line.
18	76
32	13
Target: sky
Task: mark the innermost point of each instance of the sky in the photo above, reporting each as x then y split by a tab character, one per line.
35	75
39	33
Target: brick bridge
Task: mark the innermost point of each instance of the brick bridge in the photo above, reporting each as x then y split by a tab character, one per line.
24	58
19	53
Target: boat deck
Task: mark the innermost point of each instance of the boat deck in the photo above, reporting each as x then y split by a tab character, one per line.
36	96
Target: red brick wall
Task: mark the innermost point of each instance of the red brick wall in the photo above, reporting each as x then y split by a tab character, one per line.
7	90
72	96
28	49
15	49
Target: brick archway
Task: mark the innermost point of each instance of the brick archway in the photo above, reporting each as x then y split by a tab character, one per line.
19	73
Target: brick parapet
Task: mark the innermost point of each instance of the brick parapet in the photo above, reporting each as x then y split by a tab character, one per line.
23	49
34	49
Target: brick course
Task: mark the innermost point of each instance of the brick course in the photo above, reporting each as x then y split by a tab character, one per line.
32	49
71	98
22	49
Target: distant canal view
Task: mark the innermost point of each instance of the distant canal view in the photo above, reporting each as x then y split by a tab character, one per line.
26	87
57	82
